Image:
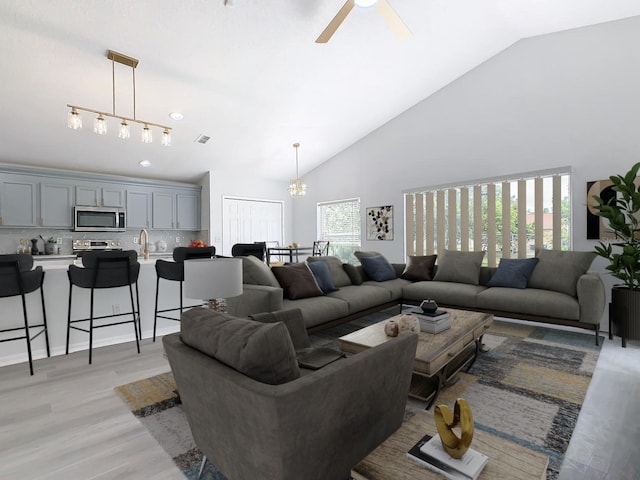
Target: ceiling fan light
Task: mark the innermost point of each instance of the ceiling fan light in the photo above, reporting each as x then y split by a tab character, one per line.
365	3
100	125
124	132
74	120
146	136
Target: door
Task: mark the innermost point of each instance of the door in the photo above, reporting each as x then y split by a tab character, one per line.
248	221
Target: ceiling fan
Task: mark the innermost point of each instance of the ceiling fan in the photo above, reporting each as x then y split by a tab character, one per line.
388	14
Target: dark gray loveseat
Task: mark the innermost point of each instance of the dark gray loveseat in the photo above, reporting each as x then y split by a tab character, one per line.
561	290
256	415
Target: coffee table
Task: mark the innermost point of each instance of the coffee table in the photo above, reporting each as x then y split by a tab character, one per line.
507	459
439	357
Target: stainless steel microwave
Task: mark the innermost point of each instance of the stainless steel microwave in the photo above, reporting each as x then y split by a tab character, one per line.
99	219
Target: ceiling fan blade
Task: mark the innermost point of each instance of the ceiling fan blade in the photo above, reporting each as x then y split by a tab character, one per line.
394	21
336	22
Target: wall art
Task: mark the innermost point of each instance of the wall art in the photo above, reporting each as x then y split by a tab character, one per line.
380	223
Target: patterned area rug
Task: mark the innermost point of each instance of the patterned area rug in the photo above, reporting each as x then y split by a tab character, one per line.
528	387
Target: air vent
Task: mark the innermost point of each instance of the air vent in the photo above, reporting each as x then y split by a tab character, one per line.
202	139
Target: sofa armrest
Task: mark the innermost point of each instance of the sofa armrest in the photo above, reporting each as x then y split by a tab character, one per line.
591	297
255	299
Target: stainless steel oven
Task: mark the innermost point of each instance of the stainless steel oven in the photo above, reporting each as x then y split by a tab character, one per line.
99	219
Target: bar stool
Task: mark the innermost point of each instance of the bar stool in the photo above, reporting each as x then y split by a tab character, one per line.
103	270
257	249
17	279
174	271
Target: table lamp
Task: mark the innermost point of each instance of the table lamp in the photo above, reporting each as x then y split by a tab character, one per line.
213	280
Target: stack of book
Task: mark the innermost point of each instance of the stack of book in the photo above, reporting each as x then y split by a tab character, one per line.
434	322
430	453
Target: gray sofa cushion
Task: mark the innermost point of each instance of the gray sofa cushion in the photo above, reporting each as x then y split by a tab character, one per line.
530	301
419	267
445	293
318	310
460	267
338	275
361	297
559	270
256	272
262	351
394	286
297	281
292	319
354	272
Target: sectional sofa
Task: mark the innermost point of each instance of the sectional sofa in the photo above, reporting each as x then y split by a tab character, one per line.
554	287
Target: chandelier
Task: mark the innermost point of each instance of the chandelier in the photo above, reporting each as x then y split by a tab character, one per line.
74	120
296	187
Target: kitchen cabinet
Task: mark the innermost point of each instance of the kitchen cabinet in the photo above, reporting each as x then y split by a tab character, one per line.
187	211
56	205
97	196
164	211
18	207
138	208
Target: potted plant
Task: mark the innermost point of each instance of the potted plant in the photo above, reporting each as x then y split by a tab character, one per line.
49	246
623	253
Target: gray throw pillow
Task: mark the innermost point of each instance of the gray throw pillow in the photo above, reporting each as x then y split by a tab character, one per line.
294	322
559	270
262	351
459	267
513	273
338	275
256	272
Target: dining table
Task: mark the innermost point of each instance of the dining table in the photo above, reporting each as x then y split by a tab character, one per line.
289	252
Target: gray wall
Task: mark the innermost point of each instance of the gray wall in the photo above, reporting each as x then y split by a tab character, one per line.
569	98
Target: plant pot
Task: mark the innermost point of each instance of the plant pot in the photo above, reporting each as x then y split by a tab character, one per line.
624	313
49	248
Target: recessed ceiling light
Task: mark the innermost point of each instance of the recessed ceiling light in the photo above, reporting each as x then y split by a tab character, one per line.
145	163
176	116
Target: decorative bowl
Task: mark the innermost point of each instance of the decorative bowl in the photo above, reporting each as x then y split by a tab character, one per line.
429	306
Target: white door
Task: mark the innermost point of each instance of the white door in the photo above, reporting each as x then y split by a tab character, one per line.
248	221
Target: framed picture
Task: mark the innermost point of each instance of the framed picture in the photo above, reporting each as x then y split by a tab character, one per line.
380	223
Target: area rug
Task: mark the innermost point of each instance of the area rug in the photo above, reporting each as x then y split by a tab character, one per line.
528	387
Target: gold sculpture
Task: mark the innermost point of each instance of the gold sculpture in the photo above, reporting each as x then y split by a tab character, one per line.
447	421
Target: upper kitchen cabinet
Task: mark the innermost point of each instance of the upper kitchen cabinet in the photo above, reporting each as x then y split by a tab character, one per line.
187	211
17	201
56	205
138	208
96	196
164	211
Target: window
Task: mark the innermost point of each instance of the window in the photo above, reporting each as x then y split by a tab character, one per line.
507	217
339	224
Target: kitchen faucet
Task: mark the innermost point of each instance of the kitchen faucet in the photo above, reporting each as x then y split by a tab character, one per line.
144	237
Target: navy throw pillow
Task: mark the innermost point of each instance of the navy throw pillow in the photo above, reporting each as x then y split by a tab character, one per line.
322	275
513	273
378	268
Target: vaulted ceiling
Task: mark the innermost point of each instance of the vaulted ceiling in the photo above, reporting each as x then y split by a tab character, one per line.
246	73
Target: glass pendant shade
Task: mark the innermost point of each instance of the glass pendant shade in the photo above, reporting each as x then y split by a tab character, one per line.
100	125
124	132
297	188
146	137
74	120
365	3
166	138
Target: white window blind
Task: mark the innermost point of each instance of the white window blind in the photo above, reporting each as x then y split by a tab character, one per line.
507	217
339	224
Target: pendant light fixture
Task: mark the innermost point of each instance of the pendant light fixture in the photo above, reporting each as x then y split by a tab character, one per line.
296	187
74	121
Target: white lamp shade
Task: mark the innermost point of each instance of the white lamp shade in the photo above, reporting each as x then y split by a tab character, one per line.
210	278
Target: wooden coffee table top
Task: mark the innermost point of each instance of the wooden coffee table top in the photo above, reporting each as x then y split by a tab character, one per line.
434	350
506	459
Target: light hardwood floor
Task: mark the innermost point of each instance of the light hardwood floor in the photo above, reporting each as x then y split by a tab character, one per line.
66	423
